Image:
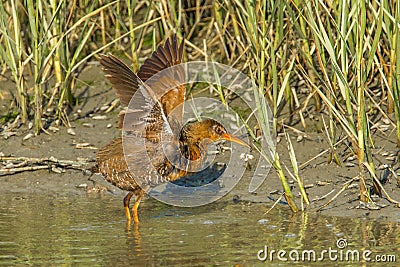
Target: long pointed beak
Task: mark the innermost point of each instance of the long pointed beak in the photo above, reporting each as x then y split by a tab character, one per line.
234	139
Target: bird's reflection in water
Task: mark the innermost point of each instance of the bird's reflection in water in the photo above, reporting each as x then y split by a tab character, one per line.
133	238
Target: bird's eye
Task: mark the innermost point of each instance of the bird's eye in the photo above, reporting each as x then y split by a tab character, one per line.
218	130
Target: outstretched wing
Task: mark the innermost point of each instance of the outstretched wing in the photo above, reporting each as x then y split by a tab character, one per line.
145	116
166	77
165	56
124	81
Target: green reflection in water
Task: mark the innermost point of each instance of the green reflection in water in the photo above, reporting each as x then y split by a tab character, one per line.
90	231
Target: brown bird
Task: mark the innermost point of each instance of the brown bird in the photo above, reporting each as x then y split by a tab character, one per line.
157	149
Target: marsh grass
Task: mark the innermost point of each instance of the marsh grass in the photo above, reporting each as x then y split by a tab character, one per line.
336	57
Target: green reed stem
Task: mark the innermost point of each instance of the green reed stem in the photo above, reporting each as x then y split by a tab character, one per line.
33	16
396	87
131	6
13	53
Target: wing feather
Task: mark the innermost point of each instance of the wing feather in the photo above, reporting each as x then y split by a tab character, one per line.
159	92
166	77
145	117
124	81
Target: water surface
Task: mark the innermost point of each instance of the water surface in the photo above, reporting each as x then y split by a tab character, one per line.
84	230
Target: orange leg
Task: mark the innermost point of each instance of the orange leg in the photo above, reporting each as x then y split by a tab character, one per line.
136	206
127	199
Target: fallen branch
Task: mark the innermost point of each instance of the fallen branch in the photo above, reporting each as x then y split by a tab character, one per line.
12	165
7	171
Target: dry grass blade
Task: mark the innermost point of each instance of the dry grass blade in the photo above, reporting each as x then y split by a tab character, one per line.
345	186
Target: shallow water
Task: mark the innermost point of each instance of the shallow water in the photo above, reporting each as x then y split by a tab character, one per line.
84	230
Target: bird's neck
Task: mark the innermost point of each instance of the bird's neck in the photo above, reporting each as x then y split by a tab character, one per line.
192	141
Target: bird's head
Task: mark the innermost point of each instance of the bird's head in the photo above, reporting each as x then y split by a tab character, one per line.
211	130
